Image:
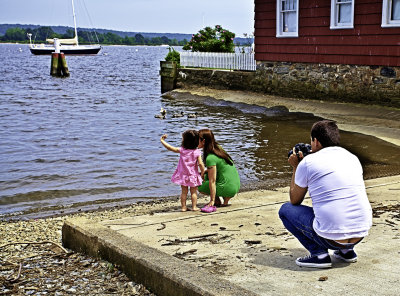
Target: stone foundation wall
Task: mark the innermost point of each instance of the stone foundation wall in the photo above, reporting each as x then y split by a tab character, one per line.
340	83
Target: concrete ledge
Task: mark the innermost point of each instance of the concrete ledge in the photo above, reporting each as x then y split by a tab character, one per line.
159	272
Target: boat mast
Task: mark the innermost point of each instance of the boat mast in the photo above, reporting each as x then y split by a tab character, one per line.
73	14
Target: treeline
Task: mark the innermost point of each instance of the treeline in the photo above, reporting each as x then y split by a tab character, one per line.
39	35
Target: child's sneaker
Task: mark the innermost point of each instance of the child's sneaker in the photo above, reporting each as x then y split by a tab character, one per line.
208	209
314	261
349	256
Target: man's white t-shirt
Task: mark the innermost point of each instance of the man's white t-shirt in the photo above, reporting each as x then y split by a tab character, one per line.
334	178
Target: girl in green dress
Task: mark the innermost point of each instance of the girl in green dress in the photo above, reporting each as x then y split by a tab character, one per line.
222	179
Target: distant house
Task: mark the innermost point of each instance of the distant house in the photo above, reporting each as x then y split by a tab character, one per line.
334	49
362	32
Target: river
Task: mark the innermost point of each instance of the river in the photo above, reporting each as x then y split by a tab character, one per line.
91	140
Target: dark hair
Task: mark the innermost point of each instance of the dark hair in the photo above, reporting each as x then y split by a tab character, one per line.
326	132
190	139
212	146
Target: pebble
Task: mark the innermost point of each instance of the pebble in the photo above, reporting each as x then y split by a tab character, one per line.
51	271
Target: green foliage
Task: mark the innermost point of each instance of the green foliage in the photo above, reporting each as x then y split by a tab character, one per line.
16	34
173	56
42	33
212	40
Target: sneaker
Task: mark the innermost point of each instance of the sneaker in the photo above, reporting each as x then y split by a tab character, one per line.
349	257
208	209
314	261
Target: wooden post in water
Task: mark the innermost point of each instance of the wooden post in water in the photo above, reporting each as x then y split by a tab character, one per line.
63	65
54	71
59	67
169	75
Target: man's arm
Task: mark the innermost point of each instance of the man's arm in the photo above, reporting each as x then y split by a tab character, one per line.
296	192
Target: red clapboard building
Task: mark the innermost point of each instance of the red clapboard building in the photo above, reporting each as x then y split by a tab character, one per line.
351	32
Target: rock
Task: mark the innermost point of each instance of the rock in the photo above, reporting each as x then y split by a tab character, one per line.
323	278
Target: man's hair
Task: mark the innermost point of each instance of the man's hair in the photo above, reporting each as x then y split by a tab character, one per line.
326	132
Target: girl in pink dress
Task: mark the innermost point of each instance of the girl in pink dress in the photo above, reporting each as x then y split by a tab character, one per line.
187	174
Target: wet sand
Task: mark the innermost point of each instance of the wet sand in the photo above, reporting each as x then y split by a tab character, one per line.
381	122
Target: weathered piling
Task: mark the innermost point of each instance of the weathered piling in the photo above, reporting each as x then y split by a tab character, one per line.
63	65
55	69
169	75
59	67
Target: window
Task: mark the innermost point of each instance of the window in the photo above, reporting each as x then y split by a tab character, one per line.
287	18
342	14
391	13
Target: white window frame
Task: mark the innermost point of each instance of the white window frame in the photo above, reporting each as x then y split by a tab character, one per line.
387	7
280	33
335	16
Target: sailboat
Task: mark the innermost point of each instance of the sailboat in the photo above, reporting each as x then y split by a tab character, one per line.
67	46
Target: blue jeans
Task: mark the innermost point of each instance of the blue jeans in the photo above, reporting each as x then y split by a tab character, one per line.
299	221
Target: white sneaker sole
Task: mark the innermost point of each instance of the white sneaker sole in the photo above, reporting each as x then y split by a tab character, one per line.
314	265
353	260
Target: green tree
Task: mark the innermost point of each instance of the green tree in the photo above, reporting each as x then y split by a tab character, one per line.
209	39
15	34
165	40
43	33
156	41
69	34
139	39
128	41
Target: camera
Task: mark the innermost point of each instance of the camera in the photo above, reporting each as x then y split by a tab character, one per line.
305	148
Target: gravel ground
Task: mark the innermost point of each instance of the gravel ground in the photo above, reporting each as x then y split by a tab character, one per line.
33	261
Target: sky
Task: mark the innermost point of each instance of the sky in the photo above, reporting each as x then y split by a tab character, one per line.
161	16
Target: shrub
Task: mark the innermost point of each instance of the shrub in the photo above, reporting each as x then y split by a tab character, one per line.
212	40
173	56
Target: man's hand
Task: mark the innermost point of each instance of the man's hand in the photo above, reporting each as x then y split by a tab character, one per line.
294	160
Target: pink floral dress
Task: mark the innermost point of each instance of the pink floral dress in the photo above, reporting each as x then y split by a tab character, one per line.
187	172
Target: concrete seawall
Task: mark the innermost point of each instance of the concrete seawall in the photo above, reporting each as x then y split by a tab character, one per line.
163	274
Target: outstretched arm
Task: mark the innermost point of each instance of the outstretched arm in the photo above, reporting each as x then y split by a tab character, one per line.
168	146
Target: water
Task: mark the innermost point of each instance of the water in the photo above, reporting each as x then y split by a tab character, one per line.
92	139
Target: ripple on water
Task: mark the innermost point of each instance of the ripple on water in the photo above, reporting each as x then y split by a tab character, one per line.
93	137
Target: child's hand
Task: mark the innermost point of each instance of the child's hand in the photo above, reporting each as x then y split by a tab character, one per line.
163	137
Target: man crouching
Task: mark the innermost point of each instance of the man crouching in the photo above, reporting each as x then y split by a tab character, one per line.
341	214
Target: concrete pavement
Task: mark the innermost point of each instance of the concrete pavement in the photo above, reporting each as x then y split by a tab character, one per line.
242	249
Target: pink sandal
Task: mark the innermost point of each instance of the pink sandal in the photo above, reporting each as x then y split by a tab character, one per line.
208	209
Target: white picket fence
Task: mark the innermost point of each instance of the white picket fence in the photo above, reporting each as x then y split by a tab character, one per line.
219	60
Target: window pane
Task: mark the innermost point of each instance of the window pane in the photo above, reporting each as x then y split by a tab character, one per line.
288	5
344	13
289	22
395	10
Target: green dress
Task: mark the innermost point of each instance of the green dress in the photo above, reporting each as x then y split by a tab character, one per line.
228	181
